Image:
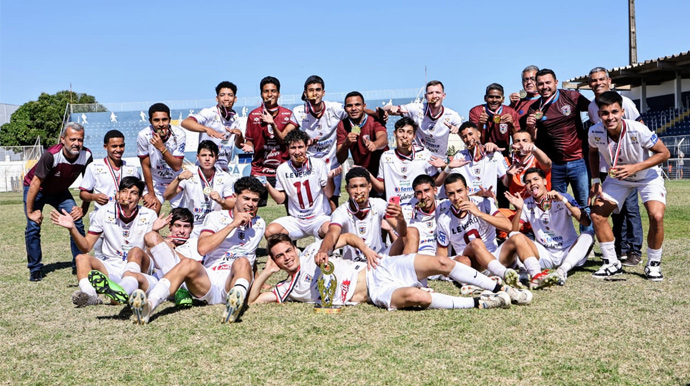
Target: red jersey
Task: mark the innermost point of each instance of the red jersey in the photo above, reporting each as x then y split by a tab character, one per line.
268	153
516	184
360	154
522	107
498	133
560	133
56	171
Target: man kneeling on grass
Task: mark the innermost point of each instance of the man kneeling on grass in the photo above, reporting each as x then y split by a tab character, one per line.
228	242
122	224
391	282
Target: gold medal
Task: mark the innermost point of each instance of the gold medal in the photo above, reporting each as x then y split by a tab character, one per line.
356	129
538	114
523	93
612	173
497	119
207	190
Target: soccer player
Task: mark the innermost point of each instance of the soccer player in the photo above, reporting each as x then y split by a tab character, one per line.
219	124
495	121
421	230
361	135
401	165
482	166
526	155
306	183
550	215
123	224
48	183
228	243
435	121
267	126
363	216
627	225
205	188
395	284
522	103
554	123
631	152
160	148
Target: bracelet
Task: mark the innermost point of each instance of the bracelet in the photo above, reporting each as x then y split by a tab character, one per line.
165	149
565	200
447	169
596	181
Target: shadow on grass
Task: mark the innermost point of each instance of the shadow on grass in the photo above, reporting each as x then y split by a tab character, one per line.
52	267
124	314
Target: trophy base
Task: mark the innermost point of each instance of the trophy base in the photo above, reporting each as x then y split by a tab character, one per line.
319	309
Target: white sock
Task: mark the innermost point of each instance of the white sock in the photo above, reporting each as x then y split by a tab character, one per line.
496	268
532	266
608	251
468	275
152	282
86	287
448	302
243	286
132	267
129	284
159	293
654	255
164	257
578	253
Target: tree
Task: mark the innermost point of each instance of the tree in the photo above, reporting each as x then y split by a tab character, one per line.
41	118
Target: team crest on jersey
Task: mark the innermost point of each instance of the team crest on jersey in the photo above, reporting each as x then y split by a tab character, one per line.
125	233
362	229
566	110
403	169
545	218
597	139
100	170
477	170
256	119
111	218
309	278
429	224
633	138
503	128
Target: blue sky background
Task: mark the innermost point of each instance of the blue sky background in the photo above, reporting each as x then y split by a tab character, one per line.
131	51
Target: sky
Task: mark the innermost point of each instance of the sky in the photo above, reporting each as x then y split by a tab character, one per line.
137	51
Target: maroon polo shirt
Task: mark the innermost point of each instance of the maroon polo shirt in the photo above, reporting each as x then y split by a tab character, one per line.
56	171
522	107
360	154
268	153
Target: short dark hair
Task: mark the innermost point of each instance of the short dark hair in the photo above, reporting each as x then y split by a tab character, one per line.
467	124
524	131
311	80
269	80
357	172
112	134
182	214
354	94
434	83
296	135
208	145
533	170
546	71
405	121
455	177
130	181
423	179
608	98
158	107
494	86
226	84
249	183
276	239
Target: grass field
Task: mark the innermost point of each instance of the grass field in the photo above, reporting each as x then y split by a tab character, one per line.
629	331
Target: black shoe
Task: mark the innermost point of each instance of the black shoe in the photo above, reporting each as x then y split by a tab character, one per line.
74	270
36	276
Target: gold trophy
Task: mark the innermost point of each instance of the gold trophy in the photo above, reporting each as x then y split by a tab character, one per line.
327	285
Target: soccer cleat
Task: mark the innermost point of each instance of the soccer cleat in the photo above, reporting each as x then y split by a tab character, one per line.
140	307
471	290
183	299
494	300
497	279
653	271
512	278
107	287
518	296
633	259
608	270
562	276
233	305
82	299
544	279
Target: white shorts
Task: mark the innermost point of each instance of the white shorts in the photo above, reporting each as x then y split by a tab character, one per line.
115	267
175	202
392	273
617	191
218	275
301	228
553	258
497	254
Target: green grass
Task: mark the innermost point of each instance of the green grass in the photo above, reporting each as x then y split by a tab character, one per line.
629	331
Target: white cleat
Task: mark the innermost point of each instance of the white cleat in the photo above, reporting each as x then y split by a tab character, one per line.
140	307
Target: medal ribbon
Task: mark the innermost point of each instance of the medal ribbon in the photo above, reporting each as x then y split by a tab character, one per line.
544	105
228	113
492	113
437	116
614	160
241	227
310	109
457	212
205	182
121	214
478	153
361	124
306	167
406	157
358	211
542	204
423	216
117	178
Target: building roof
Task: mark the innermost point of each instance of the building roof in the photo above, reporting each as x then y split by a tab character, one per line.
654	72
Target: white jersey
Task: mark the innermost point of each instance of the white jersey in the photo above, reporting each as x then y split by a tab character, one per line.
632	147
100	177
190	249
304	188
303	285
241	242
369	229
554	227
426	224
324	128
487	172
458	232
161	172
398	171
211	117
629	112
197	201
119	237
433	133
